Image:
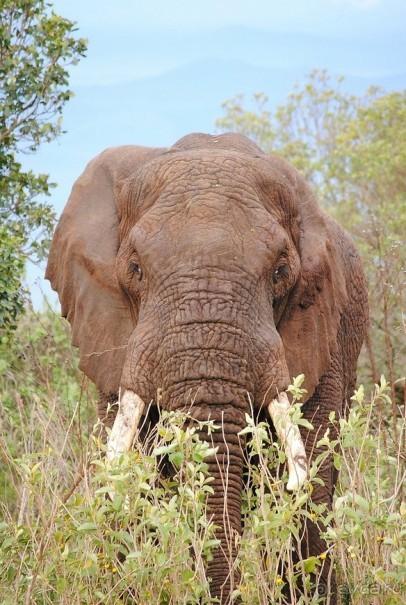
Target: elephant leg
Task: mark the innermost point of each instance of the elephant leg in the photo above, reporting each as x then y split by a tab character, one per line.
312	545
332	395
327	398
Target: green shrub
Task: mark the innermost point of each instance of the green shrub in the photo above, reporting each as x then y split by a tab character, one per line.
64	540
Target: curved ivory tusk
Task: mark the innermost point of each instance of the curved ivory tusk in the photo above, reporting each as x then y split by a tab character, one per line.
125	425
289	436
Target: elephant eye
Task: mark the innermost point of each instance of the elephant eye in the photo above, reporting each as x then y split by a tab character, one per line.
136	270
281	271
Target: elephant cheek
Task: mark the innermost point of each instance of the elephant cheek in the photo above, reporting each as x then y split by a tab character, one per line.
139	372
273	377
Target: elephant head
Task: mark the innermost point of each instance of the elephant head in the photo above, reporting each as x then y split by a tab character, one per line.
206	270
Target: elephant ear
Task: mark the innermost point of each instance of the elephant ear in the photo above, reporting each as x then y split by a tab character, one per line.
81	265
310	323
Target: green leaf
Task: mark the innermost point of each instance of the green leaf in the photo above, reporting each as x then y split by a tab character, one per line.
37	48
11	573
61	585
361	502
177	458
187	576
310	564
87	527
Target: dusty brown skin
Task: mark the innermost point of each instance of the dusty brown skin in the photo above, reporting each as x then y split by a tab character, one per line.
208	270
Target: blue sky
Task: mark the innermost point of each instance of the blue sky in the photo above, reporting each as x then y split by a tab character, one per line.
158	69
114	27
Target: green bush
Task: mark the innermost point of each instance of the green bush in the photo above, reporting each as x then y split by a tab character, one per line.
81	530
150	540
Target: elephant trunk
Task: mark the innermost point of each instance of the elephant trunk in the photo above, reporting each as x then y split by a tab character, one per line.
224	504
225	466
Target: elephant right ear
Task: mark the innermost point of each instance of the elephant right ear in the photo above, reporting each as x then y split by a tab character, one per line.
81	265
310	322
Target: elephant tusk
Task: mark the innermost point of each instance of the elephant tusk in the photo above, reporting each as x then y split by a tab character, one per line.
125	425
289	435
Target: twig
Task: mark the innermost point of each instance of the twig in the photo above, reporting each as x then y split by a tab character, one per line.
80	474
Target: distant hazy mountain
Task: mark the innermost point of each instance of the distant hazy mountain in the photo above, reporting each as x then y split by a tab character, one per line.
362	54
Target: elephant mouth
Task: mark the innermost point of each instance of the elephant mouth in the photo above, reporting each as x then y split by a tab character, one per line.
131	408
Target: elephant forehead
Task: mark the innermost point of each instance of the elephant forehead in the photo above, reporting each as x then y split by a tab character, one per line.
209	203
206	186
211	229
205	182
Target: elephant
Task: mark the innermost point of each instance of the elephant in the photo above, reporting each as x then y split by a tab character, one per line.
208	271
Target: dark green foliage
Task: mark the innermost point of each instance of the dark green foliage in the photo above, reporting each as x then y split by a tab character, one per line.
36	49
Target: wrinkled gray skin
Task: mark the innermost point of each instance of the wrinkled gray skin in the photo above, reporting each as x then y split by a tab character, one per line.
208	270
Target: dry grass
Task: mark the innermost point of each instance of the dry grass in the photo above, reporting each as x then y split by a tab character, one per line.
153	540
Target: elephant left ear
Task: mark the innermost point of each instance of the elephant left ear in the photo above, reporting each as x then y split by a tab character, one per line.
310	324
